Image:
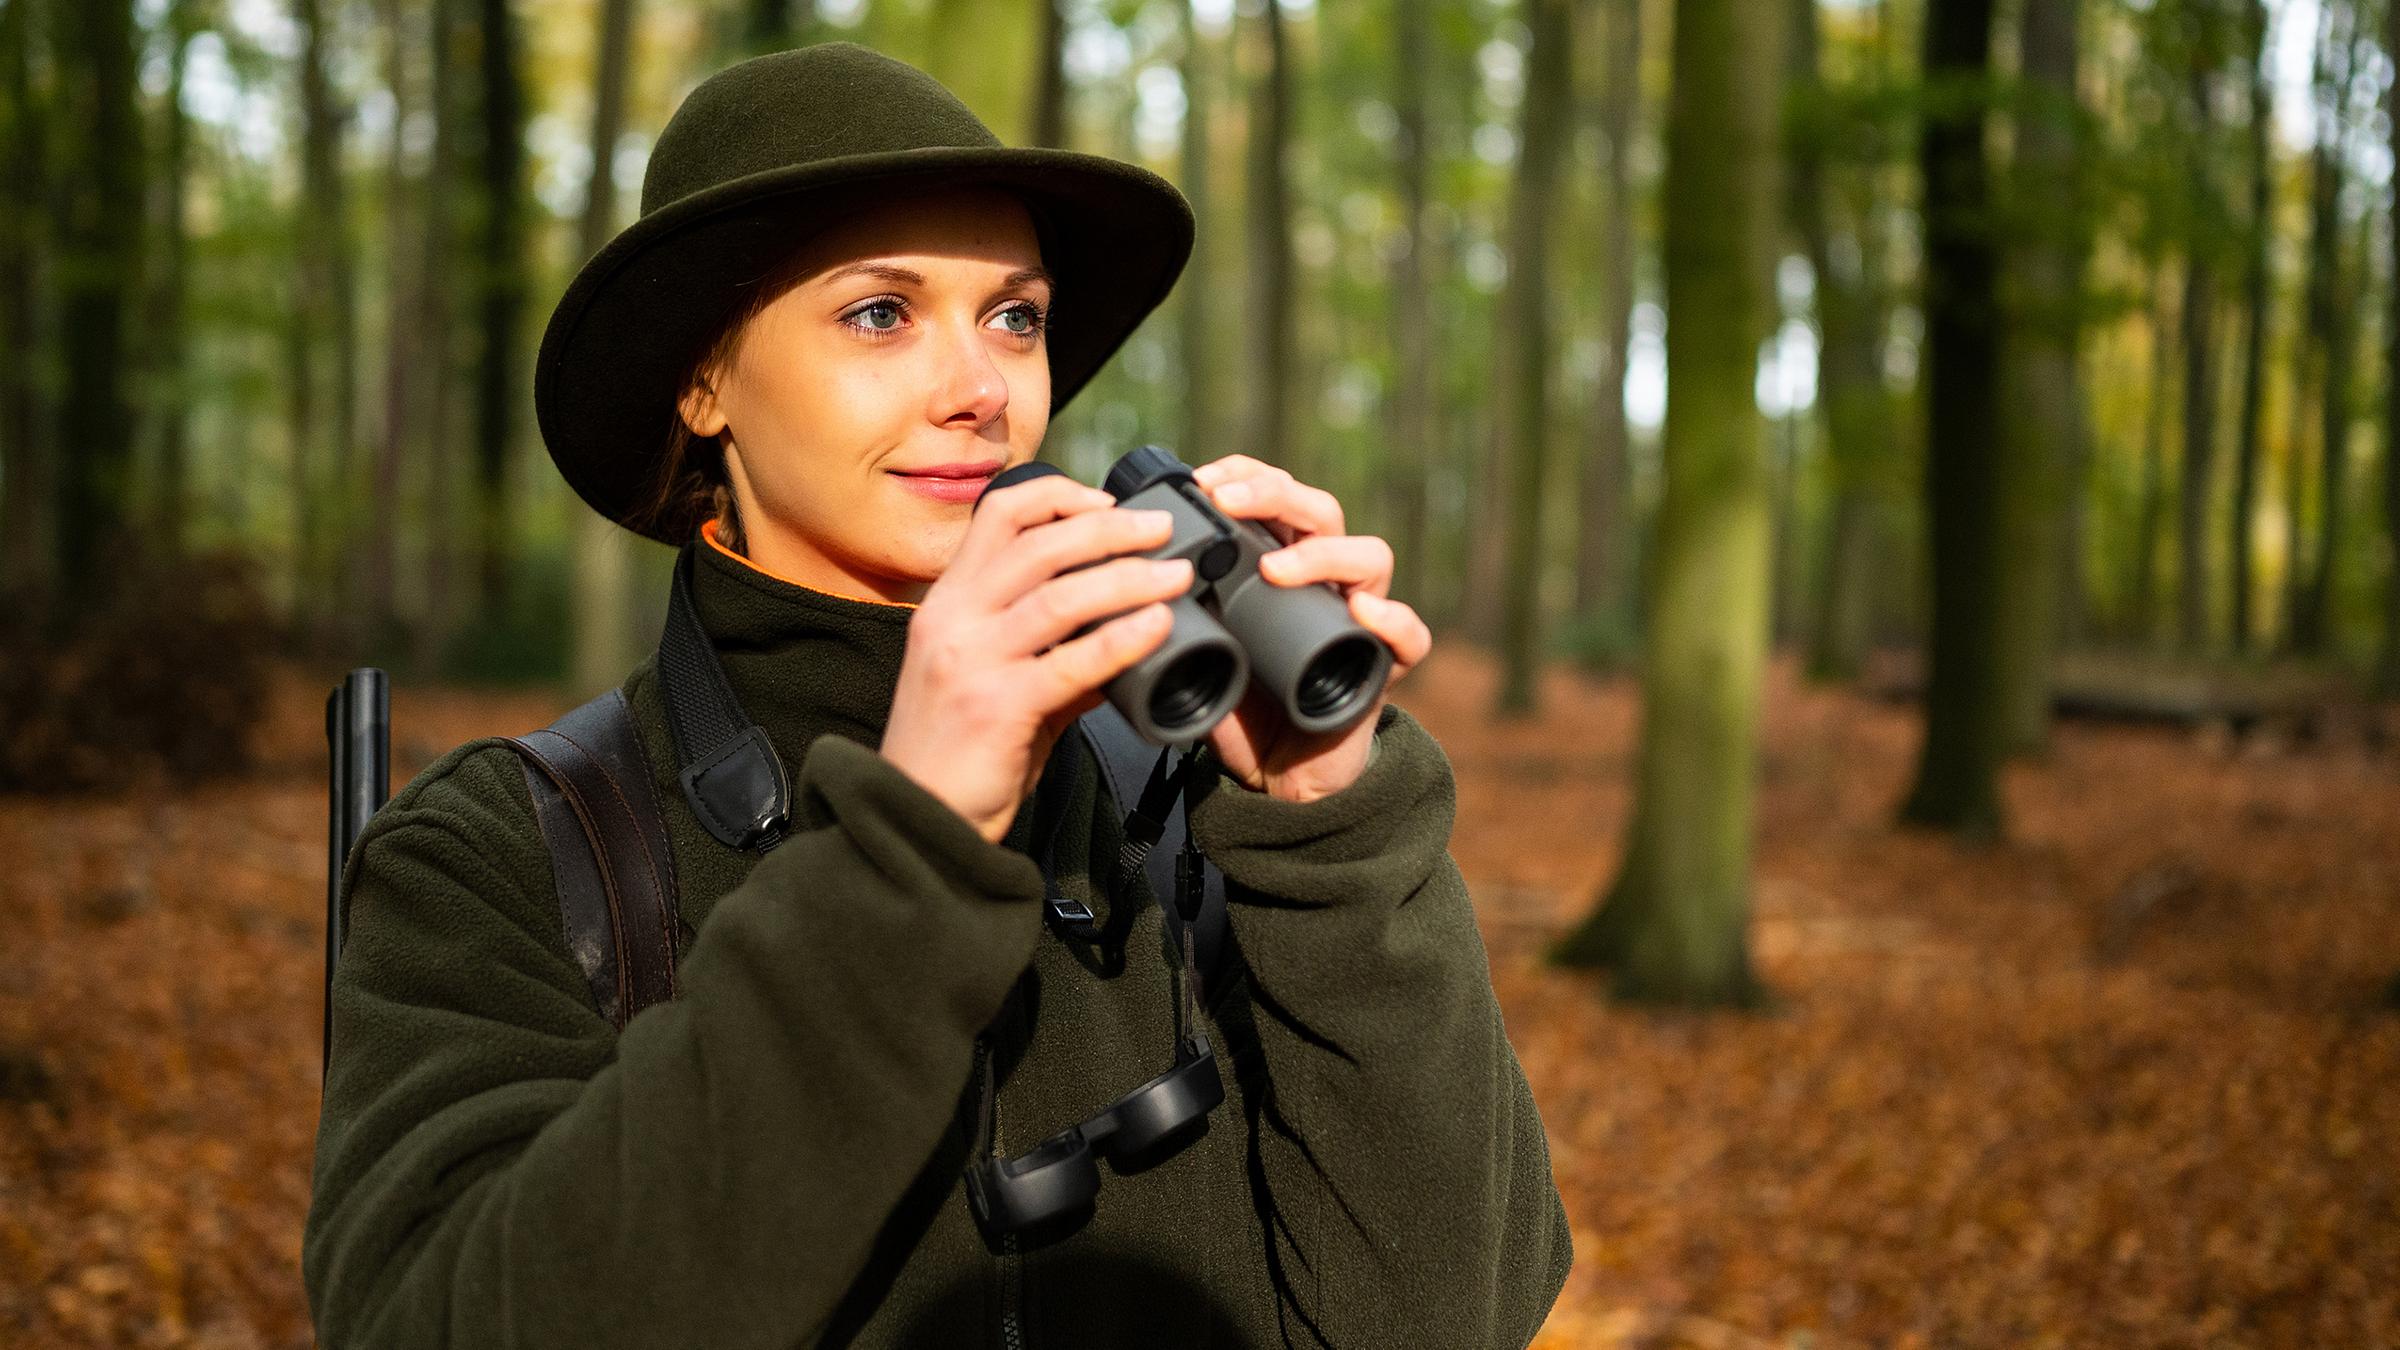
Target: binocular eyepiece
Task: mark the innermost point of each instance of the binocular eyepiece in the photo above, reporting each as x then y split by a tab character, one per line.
1233	626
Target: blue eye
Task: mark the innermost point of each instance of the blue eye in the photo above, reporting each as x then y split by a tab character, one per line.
1032	315
884	305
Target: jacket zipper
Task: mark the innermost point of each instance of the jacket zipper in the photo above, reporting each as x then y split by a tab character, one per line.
1012	1335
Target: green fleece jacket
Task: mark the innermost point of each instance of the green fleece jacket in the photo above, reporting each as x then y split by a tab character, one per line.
776	1158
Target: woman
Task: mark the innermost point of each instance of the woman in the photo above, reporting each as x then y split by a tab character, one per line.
845	307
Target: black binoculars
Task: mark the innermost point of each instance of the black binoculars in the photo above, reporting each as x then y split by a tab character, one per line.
1233	626
1059	1176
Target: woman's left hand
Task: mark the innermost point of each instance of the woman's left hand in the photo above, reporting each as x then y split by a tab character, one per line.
1255	742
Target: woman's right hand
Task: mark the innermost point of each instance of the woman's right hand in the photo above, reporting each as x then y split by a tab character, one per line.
989	681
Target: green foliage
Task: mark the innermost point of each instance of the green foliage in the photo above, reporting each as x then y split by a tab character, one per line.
526	642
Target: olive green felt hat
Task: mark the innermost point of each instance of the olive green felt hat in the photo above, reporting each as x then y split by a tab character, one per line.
755	155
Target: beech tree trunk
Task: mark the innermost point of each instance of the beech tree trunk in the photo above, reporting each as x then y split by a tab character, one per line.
1850	395
1267	211
168	495
25	478
2337	57
501	302
605	645
1603	557
1526	388
2045	268
436	306
1966	710
2199	410
1674	925
1048	118
2150	511
1412	429
2388	666
378	560
2241	549
98	249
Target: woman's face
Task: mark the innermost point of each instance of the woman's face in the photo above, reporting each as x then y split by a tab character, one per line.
864	408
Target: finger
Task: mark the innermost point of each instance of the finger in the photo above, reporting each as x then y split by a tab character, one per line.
1363	561
1059	606
1269	497
1226	468
1397	624
1072	670
1048	549
1012	510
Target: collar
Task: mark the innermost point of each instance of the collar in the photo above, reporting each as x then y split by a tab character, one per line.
802	661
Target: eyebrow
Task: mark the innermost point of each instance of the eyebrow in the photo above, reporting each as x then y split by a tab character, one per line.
906	276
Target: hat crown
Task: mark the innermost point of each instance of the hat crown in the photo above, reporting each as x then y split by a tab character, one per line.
822	102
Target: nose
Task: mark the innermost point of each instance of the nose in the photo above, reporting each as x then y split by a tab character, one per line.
971	389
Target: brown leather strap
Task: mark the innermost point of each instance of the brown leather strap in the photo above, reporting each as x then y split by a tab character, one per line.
592	791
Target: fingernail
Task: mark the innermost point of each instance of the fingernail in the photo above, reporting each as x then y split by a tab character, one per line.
1172	569
1233	494
1155	519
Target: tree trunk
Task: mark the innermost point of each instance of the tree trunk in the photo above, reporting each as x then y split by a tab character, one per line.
99	262
1414	377
1196	319
2045	327
502	299
25	480
2241	551
1966	714
1674	925
436	313
605	643
2326	325
1851	399
1267	212
1049	114
2199	451
2151	508
2387	674
1602	558
1544	118
378	560
170	507
322	330
2333	464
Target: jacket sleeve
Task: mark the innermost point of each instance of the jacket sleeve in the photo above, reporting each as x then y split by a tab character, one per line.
1407	1176
497	1167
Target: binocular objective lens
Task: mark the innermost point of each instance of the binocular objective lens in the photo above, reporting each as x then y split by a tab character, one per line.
1336	676
1191	686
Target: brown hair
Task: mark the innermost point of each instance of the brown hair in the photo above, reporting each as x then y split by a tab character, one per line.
689	484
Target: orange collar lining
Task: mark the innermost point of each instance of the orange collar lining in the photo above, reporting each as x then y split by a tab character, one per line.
708	531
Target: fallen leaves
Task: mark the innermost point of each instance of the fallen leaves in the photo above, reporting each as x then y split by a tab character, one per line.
2126	1079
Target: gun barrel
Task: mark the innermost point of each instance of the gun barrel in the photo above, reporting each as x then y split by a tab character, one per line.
358	746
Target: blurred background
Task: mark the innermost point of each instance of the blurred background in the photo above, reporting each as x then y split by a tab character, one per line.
1906	492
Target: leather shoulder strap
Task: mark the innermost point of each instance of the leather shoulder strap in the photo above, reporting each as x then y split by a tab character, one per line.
590	780
1125	760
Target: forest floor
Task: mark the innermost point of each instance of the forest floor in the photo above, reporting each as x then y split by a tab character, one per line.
2123	1080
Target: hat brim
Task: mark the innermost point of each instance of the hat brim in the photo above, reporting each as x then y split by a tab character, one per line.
1115	237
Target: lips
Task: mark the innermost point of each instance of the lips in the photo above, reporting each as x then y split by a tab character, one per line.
981	468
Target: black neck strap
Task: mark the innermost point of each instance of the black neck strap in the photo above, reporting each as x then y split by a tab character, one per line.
730	772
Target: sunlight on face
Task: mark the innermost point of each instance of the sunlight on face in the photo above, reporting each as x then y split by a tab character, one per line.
865	407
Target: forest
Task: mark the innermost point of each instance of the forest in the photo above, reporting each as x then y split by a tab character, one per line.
1906	494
